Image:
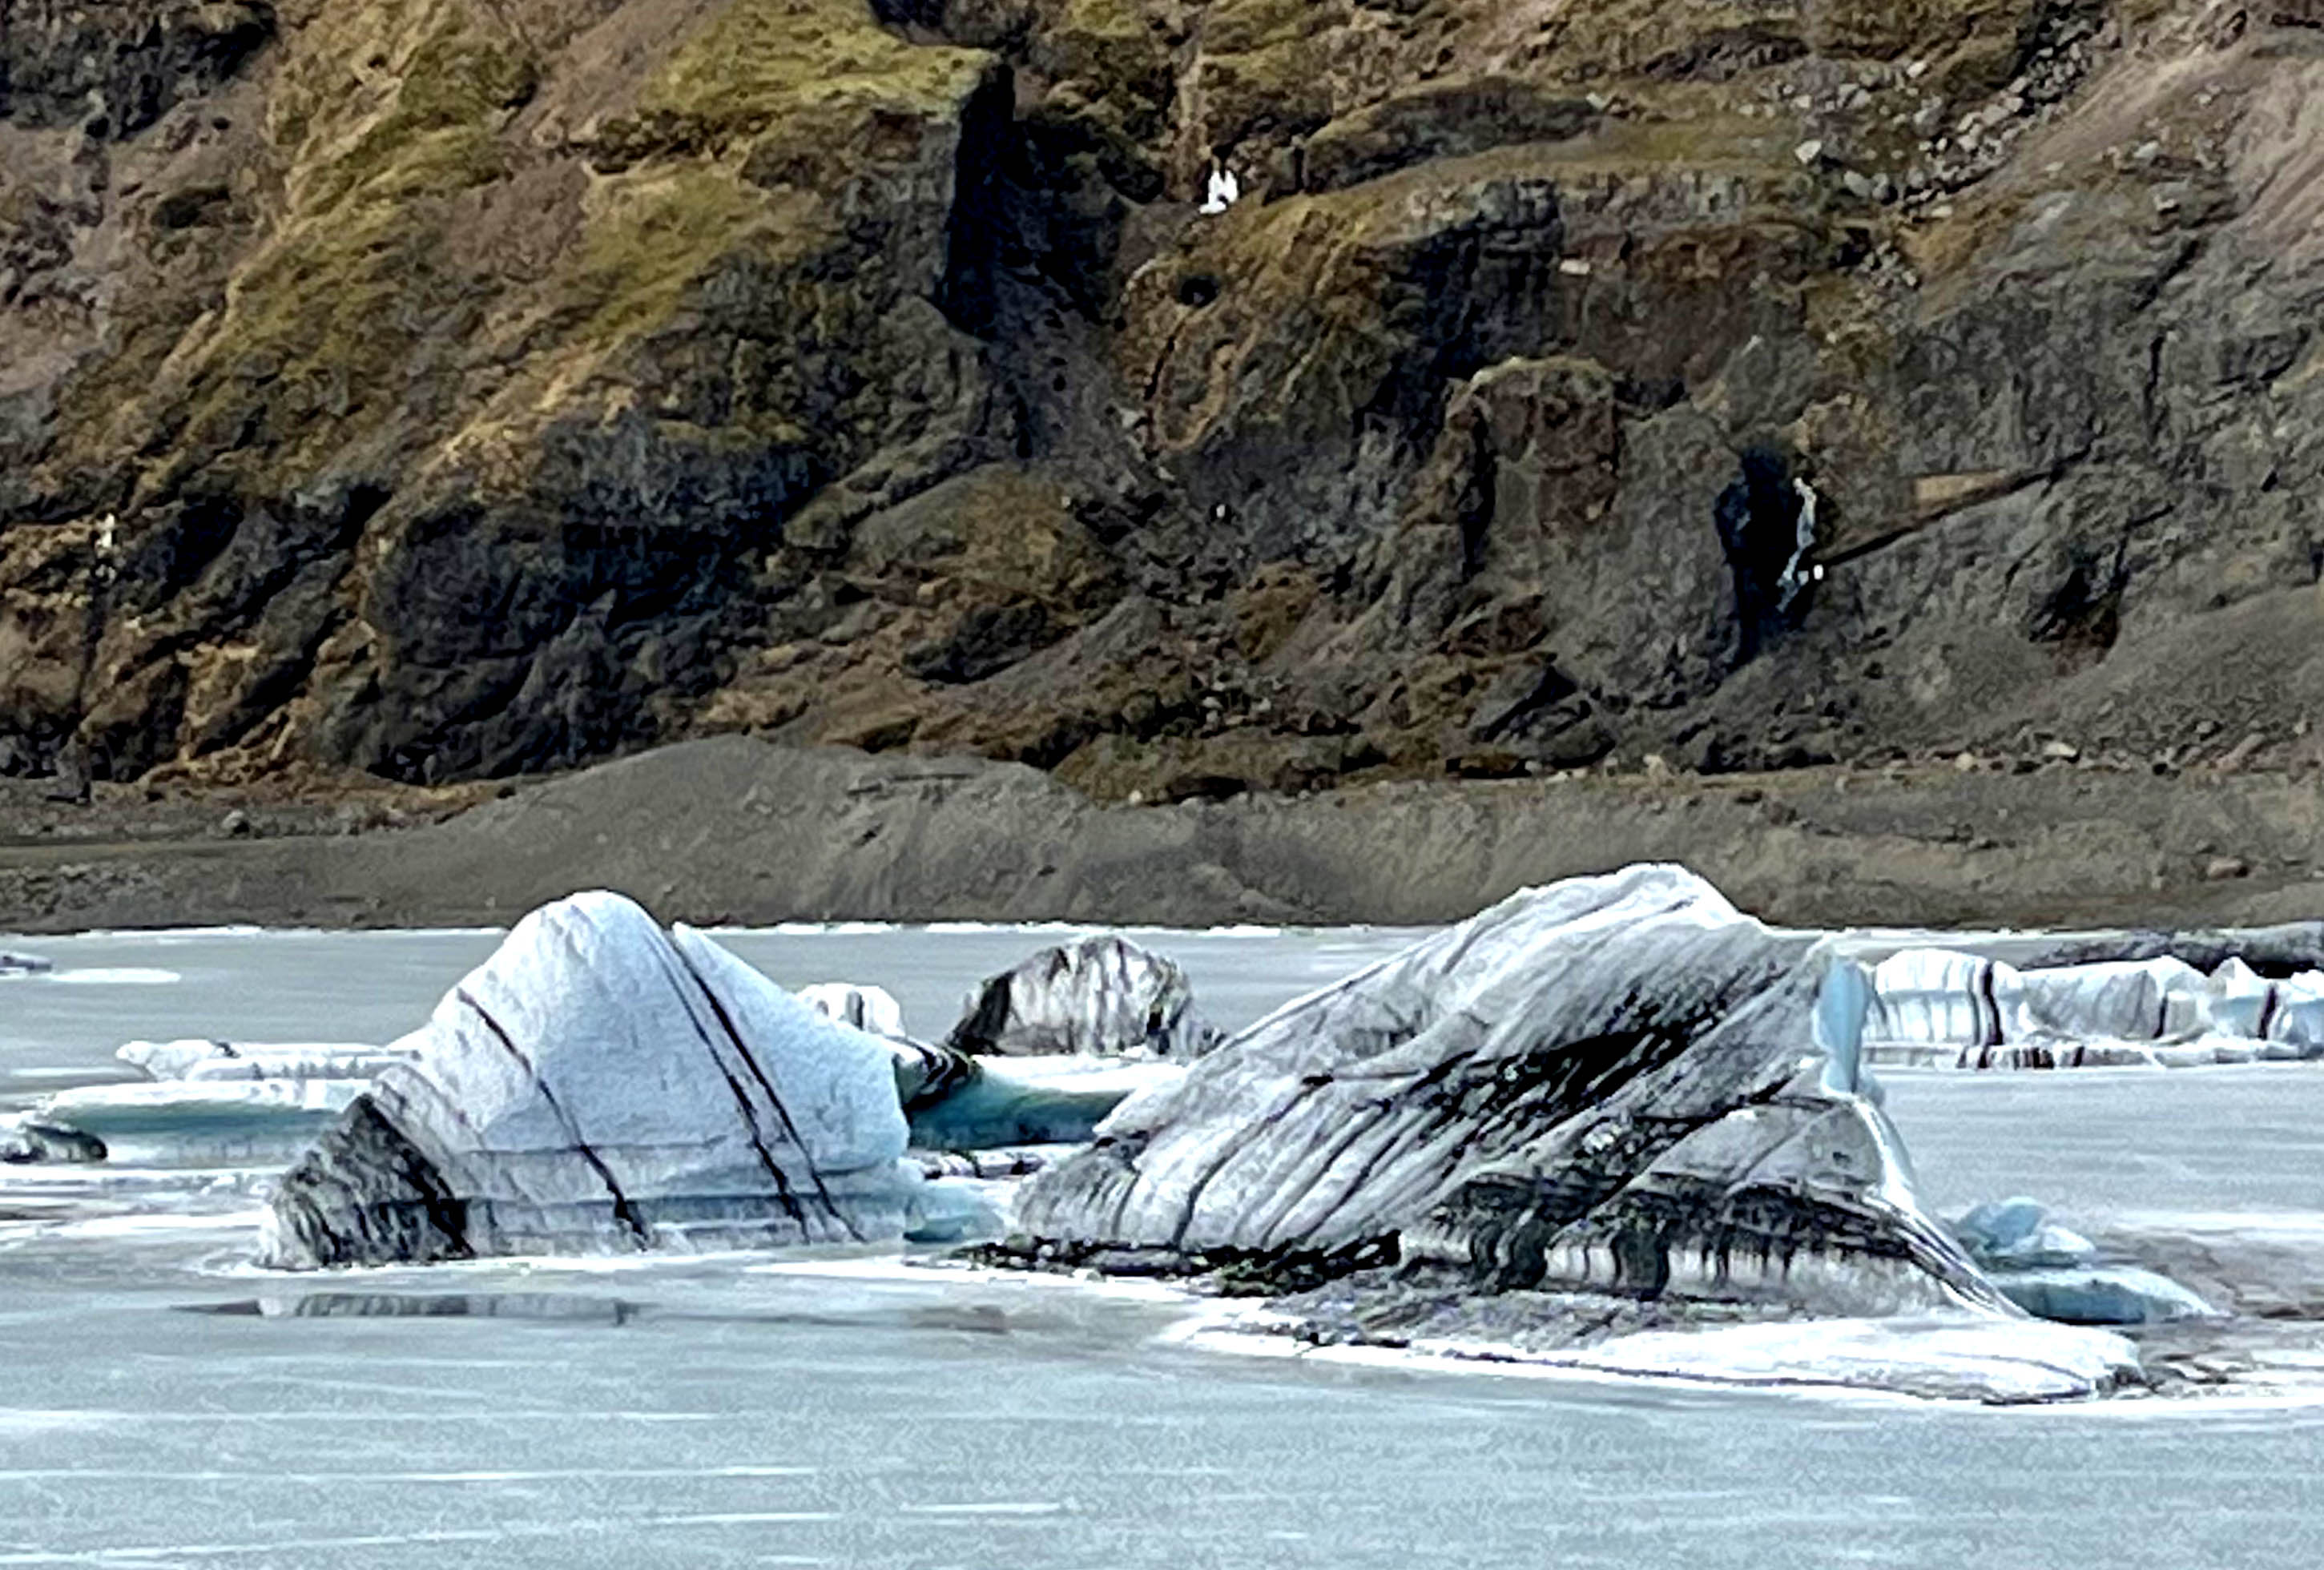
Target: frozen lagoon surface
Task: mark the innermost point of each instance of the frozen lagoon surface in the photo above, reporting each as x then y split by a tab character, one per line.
165	1404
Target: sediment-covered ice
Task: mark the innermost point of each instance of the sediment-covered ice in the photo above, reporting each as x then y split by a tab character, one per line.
872	1009
1944	1008
28	1138
601	1084
1099	997
1610	1083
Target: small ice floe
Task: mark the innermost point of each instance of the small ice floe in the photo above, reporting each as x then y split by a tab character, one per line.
200	1123
1940	1007
15	964
2055	1273
205	1060
1100	996
1933	1357
1224	190
866	1008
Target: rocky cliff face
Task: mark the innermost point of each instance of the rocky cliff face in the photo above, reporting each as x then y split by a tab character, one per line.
454	389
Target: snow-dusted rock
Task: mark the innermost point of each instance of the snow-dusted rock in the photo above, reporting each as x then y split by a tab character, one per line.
1100	997
200	1060
23	965
872	1009
600	1084
1616	1083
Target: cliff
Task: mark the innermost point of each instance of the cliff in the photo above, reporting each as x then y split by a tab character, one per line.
460	388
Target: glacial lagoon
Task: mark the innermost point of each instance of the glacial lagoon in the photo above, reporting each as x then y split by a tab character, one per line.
170	1404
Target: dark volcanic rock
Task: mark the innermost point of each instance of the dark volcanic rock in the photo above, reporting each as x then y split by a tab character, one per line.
1616	1084
576	378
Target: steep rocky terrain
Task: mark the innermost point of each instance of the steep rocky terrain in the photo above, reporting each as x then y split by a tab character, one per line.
458	388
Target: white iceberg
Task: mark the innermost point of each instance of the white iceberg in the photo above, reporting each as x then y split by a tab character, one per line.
23	965
600	1084
872	1009
196	1122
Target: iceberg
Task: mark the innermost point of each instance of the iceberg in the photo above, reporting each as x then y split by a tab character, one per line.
23	965
599	1085
1612	1084
1100	997
871	1008
1947	1007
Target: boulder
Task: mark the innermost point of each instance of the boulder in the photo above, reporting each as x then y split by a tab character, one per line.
600	1084
1100	997
1613	1084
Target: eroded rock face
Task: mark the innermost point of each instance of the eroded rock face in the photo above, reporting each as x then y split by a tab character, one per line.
866	373
599	1085
1101	997
1615	1083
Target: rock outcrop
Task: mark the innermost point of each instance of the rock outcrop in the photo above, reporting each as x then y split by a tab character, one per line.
456	390
1100	997
599	1086
1615	1085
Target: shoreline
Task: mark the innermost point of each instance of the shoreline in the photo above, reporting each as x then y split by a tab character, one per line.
733	831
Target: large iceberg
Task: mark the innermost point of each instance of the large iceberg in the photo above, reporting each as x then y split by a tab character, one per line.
1101	996
1616	1084
601	1084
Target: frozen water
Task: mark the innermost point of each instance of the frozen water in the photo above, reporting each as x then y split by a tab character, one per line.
513	1415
